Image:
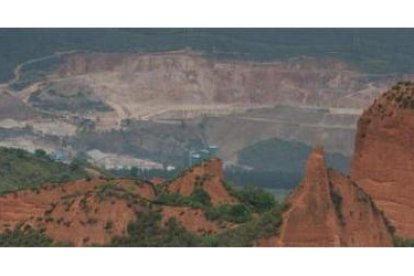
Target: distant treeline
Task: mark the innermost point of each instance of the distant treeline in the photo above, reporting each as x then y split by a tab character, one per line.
373	50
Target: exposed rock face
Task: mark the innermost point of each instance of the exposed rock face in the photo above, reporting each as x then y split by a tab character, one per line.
328	209
187	84
190	78
318	98
383	161
208	176
361	222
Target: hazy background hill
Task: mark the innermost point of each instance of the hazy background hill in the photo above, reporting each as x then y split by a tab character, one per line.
373	50
148	98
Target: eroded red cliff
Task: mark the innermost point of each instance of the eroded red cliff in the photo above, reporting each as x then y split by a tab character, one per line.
383	161
328	209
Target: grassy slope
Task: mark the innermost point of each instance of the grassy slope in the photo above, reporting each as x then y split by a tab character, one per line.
20	169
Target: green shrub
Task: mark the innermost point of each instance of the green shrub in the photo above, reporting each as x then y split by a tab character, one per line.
248	233
24	237
107	186
39	153
400	242
257	198
211	241
200	196
108	225
175	199
237	213
148	231
20	169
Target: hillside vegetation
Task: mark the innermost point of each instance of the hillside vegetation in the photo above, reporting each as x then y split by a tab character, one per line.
107	211
20	169
257	215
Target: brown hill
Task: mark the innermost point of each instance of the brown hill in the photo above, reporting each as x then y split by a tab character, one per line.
328	209
81	212
208	176
383	160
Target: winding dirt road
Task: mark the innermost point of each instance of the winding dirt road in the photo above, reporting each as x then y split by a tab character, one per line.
18	69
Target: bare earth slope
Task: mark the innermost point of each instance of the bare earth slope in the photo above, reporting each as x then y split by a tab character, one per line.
130	82
318	99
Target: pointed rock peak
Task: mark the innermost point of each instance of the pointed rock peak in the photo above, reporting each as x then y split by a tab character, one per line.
317	151
207	175
316	166
315	182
